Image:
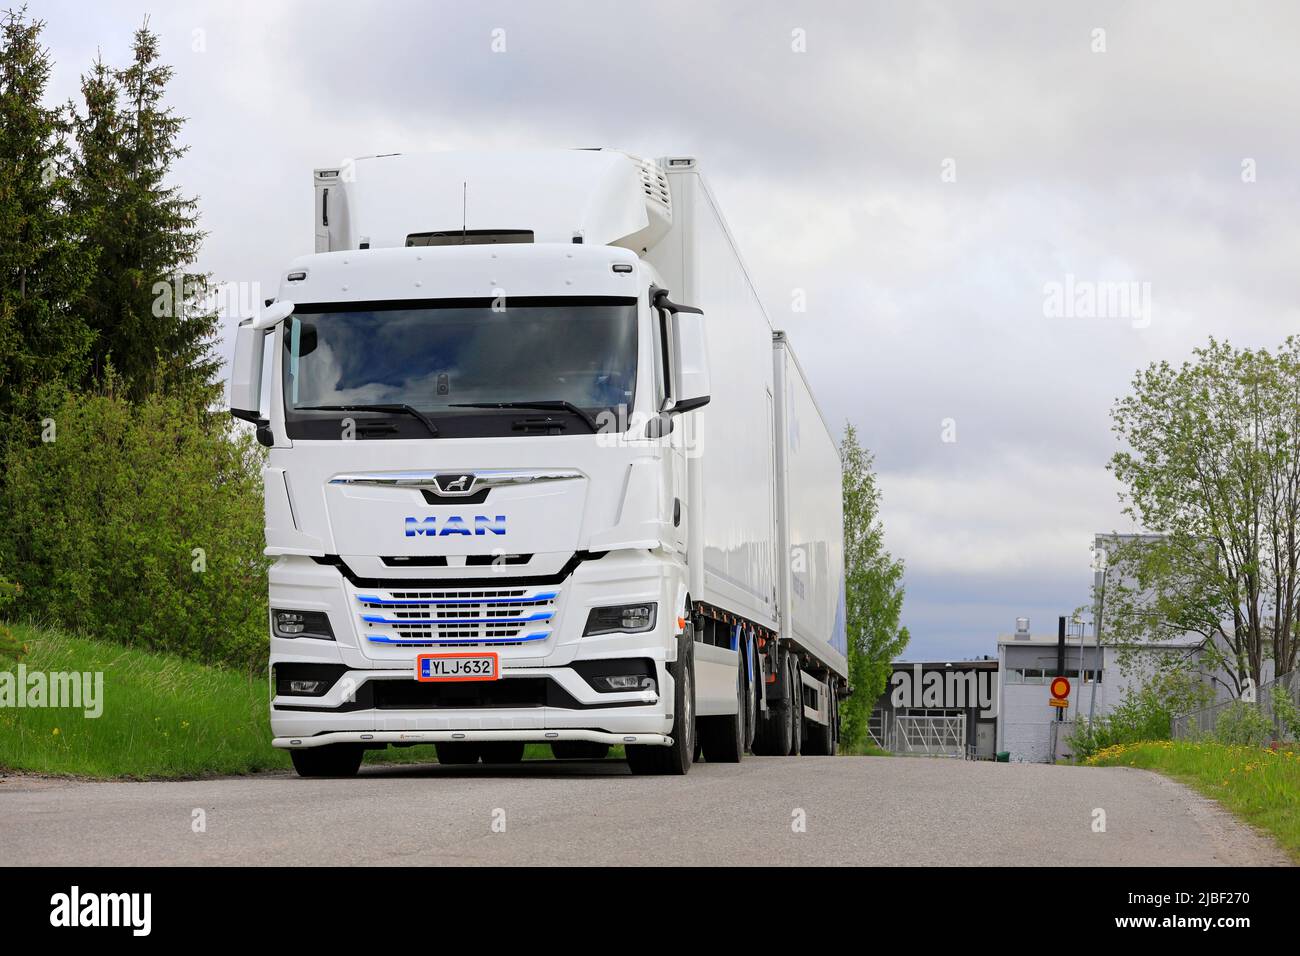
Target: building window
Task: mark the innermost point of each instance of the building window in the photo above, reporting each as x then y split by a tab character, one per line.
1039	675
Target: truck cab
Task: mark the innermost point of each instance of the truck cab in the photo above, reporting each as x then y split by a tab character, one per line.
477	408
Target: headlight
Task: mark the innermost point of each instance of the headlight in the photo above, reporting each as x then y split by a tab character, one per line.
620	617
301	624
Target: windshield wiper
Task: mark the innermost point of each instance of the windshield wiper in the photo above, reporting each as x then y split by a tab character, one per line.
557	405
393	407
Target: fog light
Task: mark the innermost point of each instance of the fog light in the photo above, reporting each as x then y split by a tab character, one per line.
620	617
289	622
306	686
629	682
285	623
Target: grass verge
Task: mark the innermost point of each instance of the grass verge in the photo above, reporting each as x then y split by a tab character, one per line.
162	718
1262	787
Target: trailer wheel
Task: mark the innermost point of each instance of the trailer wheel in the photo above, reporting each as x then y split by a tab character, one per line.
579	750
501	751
332	760
456	753
722	738
753	676
649	759
796	706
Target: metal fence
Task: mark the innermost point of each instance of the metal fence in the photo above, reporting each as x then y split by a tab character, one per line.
933	736
1202	723
880	729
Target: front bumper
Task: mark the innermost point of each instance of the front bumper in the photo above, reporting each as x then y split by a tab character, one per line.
555	700
467	736
539	697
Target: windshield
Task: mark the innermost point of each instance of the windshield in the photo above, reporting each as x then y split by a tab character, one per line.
439	357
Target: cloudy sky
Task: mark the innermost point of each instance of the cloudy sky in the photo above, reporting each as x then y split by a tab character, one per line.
927	175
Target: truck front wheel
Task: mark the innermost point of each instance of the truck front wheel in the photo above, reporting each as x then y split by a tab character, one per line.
332	760
676	759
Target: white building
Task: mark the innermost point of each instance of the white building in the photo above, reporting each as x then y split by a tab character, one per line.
1028	663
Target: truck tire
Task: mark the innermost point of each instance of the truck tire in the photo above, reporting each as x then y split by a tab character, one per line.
722	738
753	687
820	739
579	750
332	760
457	753
796	706
650	759
501	751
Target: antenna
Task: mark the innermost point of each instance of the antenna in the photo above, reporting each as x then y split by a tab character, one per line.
464	205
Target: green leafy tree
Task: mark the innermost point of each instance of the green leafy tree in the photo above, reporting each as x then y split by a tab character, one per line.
44	265
152	313
873	591
141	524
1211	466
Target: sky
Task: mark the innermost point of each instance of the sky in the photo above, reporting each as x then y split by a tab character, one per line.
992	214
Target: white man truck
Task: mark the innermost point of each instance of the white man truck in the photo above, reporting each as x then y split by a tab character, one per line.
540	471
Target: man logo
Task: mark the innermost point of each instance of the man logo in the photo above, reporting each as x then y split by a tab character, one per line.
455	524
455	484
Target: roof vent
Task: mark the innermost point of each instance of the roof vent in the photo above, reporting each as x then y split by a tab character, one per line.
1022	628
654	183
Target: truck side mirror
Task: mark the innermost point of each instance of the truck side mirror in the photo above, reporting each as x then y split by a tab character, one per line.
246	372
245	392
690	359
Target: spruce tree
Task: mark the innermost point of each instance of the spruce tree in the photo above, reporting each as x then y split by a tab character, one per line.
145	303
44	264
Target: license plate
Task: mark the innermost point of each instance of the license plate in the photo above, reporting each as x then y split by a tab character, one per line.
455	667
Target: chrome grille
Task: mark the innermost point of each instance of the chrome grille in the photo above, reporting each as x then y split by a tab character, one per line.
478	617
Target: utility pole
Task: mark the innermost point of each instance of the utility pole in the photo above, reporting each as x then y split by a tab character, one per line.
1101	610
1083	633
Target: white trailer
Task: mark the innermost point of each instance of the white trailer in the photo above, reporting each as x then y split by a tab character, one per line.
539	471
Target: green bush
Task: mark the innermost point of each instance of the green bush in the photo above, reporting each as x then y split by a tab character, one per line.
1146	712
140	524
1139	716
11	648
1286	713
1243	725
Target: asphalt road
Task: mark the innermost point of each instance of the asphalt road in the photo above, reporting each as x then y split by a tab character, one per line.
873	811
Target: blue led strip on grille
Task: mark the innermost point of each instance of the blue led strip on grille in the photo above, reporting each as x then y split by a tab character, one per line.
385	639
407	621
371	599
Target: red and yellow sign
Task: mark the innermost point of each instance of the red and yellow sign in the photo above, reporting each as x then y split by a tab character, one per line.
1060	689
